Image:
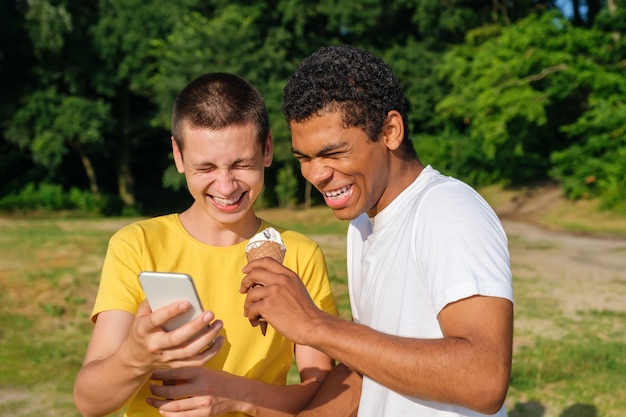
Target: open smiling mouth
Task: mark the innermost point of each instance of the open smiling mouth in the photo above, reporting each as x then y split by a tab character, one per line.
339	193
227	201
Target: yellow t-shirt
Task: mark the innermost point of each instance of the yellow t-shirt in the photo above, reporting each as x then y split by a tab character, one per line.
162	244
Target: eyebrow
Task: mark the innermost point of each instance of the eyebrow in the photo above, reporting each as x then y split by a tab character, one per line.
324	150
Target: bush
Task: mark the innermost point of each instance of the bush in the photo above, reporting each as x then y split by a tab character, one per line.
51	197
595	166
286	187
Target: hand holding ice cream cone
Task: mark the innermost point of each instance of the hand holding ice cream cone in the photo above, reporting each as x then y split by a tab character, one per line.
266	243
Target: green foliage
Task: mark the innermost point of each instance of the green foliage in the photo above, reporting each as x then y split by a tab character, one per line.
52	197
453	153
595	167
416	67
50	125
47	24
42	197
196	46
507	92
87	202
173	179
123	35
287	187
528	92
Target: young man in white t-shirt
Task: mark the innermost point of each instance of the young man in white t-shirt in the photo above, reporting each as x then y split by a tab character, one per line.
428	264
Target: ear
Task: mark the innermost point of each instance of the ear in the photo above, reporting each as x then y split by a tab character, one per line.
178	157
393	130
268	153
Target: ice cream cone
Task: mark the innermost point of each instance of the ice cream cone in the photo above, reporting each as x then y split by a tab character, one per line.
264	249
266	243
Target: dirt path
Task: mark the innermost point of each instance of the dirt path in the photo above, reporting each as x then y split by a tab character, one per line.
577	272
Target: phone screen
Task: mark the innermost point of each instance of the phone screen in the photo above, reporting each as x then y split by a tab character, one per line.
164	288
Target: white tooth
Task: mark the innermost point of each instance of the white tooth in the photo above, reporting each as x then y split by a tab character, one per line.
338	192
227	201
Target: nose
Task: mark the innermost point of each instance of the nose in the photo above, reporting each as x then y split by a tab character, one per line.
226	182
316	172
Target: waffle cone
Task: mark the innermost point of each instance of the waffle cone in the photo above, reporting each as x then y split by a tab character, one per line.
263	249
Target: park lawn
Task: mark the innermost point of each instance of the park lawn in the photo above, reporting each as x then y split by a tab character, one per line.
49	271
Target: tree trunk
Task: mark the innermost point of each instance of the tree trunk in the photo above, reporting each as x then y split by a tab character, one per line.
126	182
307	194
88	166
497	8
612	5
577	19
125	178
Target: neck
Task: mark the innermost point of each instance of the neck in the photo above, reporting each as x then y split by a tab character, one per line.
207	230
401	174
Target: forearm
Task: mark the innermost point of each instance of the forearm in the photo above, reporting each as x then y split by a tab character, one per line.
450	370
266	400
104	386
339	395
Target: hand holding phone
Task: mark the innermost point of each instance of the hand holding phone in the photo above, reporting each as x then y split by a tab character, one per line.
164	288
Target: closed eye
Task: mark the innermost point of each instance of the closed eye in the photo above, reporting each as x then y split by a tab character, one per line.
243	166
332	154
203	168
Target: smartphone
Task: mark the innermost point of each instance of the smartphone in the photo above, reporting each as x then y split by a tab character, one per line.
163	288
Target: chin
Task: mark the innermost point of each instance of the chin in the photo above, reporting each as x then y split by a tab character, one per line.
345	214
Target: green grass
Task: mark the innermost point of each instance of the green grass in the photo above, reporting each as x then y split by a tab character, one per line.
586	366
49	271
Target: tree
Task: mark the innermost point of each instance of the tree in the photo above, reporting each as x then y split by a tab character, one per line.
94	82
16	55
199	44
512	92
49	124
123	36
594	165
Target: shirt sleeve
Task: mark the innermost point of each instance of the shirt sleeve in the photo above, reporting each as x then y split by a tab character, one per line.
463	247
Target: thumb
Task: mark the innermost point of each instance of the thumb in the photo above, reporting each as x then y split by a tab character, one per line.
143	309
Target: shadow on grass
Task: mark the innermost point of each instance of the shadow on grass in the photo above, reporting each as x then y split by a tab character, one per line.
536	409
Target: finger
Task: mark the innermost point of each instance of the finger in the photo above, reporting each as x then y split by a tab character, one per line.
174	374
194	355
266	262
189	406
251	305
161	315
157	402
191	343
263	271
250	281
196	328
257	263
169	391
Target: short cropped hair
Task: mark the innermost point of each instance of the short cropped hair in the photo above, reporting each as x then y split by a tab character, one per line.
351	80
216	101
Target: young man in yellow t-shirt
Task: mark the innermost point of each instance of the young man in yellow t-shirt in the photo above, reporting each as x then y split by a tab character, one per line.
222	143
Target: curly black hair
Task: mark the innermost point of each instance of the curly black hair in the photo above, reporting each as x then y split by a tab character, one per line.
349	79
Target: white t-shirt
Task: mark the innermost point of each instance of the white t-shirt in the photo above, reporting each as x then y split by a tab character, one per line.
436	243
